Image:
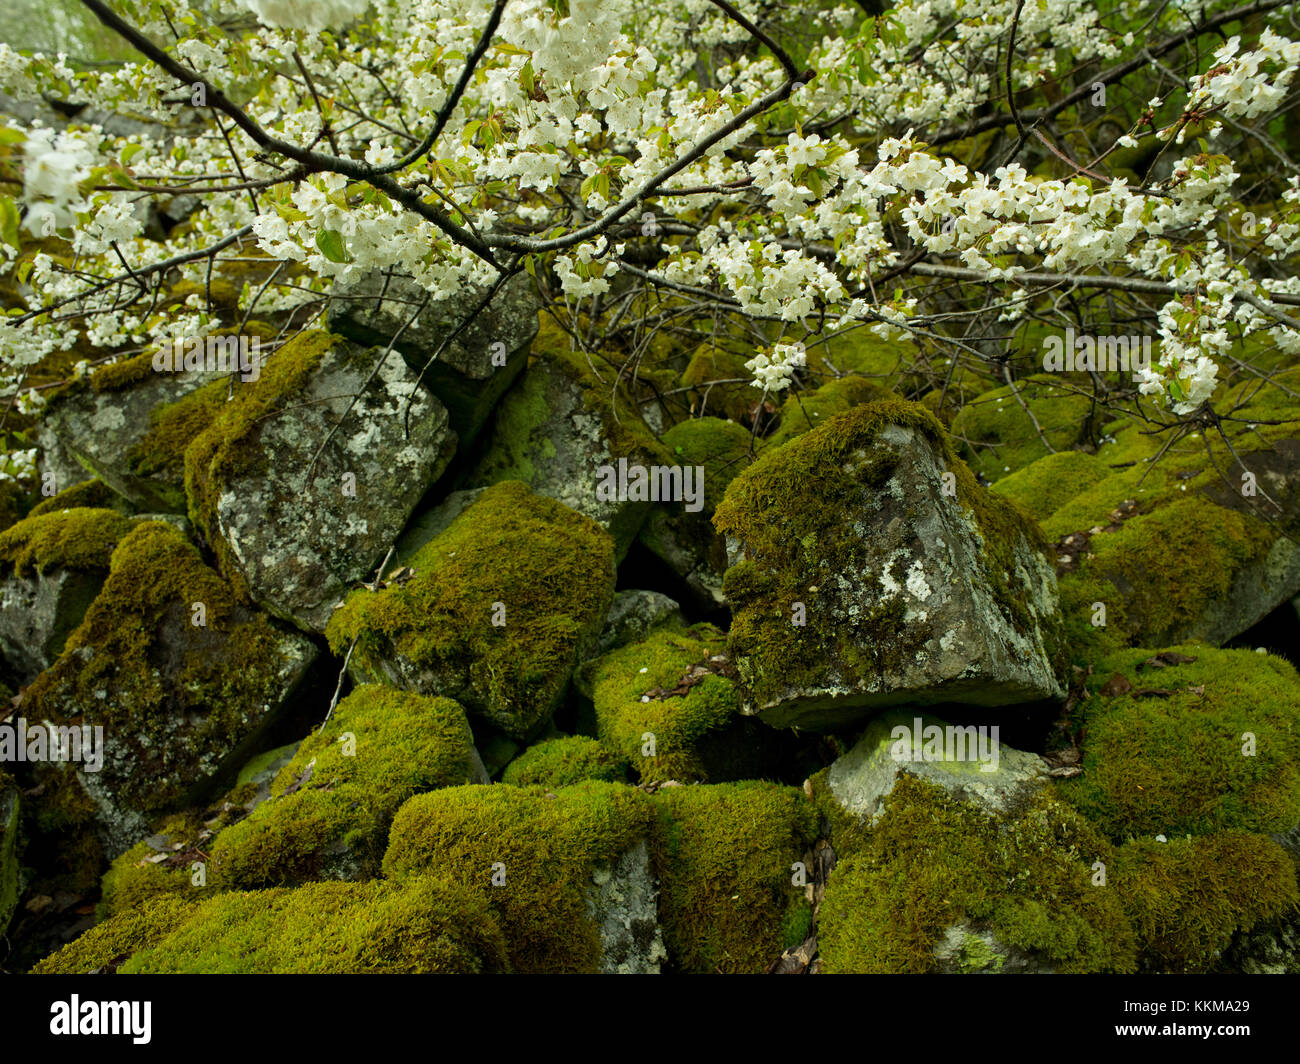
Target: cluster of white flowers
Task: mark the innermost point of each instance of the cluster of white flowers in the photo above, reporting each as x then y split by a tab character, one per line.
18	465
774	371
577	106
310	15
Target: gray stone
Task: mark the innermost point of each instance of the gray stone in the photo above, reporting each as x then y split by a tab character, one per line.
299	544
429	524
38	611
969	950
552	433
635	614
85	434
910	611
996	778
477	367
622	903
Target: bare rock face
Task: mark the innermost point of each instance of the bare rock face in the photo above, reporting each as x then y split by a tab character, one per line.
869	569
302	487
477	365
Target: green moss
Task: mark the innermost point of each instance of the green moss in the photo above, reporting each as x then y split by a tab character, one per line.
136	665
802	412
550	568
547	846
812	483
626	712
721	447
380	747
110	943
999	437
92	494
1044	486
561	762
1187	898
932	862
845	831
425	925
1175	764
724	855
859	350
733	397
137	875
173	427
13	503
227	446
82	538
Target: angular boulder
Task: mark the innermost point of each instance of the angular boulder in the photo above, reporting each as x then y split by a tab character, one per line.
495	612
477	366
564	429
869	569
181	677
52	565
304	482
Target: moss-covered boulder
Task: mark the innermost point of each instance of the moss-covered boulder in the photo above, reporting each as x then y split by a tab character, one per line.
182	677
566	872
1188	898
331	805
564	428
670	709
725	855
52	565
939	884
9	851
720	385
1190	536
497	610
479	363
421	926
1189	740
683	537
95	427
804	411
870	569
1005	429
564	761
967	760
1043	486
302	484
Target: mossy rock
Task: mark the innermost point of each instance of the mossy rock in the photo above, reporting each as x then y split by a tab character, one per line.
1177	762
999	437
478	364
537	858
1188	898
858	350
303	482
94	429
179	701
803	412
724	855
681	533
870	569
1044	486
331	805
544	573
933	864
1117	537
565	761
667	707
563	426
13	503
152	868
9	850
424	925
52	565
107	945
93	494
733	397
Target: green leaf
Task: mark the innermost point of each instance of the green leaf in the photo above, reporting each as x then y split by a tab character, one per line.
332	245
9	135
9	222
129	152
